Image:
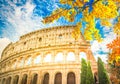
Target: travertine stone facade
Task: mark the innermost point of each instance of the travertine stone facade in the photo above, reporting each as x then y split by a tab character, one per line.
44	56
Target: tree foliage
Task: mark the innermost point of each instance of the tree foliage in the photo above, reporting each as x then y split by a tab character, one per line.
114	46
102	74
114	59
91	10
89	78
83	71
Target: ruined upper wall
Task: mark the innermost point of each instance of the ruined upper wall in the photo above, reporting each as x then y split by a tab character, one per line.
47	37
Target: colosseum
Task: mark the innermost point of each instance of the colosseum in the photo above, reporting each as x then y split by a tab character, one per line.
46	56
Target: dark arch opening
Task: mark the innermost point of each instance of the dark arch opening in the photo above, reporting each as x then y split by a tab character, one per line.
0	81
8	80
24	79
4	81
34	79
16	79
58	78
71	78
46	79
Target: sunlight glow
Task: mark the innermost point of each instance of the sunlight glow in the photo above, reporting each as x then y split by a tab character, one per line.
21	63
59	57
71	56
37	59
29	60
47	58
82	55
14	65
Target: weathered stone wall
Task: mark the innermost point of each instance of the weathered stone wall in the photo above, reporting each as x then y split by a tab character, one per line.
30	56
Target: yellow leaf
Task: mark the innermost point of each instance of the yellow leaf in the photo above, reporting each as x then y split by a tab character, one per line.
105	23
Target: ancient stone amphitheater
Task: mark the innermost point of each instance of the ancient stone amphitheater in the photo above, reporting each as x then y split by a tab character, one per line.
46	56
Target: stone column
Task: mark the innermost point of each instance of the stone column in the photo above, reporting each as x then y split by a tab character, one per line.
32	61
64	56
29	78
51	77
77	76
64	77
42	58
53	56
20	79
40	78
77	56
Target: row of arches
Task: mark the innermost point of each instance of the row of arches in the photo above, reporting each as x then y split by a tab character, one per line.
38	59
46	78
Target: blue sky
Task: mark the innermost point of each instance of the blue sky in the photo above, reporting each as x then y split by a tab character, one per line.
18	17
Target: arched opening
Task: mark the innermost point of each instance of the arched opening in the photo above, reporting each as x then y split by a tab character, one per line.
82	55
47	58
37	59
8	80
16	79
59	57
4	81
46	79
14	64
71	78
58	78
29	61
0	81
21	62
71	56
34	79
24	79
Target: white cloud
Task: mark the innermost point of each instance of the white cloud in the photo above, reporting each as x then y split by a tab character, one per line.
100	49
22	21
3	43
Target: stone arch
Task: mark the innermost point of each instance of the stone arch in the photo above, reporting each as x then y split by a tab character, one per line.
46	79
70	56
16	79
58	78
82	55
21	62
59	57
8	81
14	63
37	59
4	81
34	78
24	79
71	78
28	60
48	57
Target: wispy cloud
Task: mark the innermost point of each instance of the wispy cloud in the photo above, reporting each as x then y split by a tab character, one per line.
100	49
21	20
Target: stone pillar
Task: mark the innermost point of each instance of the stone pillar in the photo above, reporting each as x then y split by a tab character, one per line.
29	78
40	78
77	76
32	61
64	77
51	77
53	56
20	79
64	56
77	56
42	58
12	78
